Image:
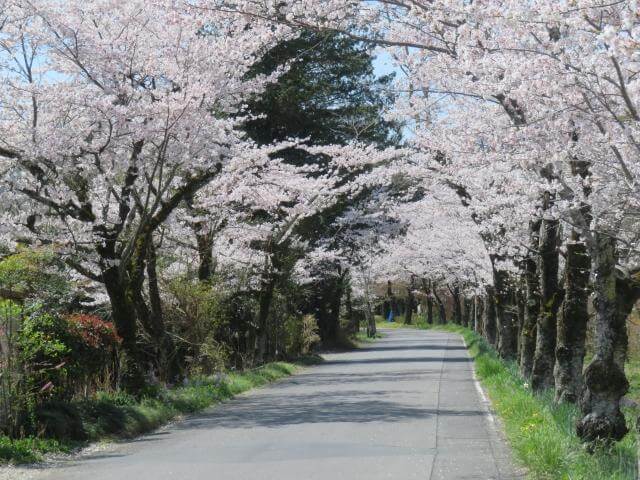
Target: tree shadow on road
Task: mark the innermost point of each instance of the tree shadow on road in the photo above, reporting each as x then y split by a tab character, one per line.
283	408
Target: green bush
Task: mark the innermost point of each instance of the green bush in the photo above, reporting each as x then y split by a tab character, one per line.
301	334
45	344
35	274
13	389
62	354
199	316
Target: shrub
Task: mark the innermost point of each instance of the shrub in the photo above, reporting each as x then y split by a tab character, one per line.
301	334
94	344
197	314
45	345
13	392
34	274
62	354
213	356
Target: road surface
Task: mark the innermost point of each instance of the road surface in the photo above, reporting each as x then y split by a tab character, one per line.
404	407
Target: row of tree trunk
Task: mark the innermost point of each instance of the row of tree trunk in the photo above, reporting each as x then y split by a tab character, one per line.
538	319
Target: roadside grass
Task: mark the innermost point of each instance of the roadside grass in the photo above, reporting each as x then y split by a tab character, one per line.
118	415
542	433
361	337
418	322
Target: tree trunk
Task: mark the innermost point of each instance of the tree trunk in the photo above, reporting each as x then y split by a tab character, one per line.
521	301
371	319
411	302
442	313
457	307
266	297
572	324
604	378
426	288
529	330
352	320
132	375
204	242
544	357
169	367
489	320
506	320
478	313
467	311
627	294
329	321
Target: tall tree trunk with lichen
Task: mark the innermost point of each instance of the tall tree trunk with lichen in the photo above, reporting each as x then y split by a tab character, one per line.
426	288
573	317
506	318
131	376
264	306
457	306
529	329
572	323
478	312
442	312
353	320
521	301
489	317
550	299
467	312
430	310
332	290
411	301
604	379
167	359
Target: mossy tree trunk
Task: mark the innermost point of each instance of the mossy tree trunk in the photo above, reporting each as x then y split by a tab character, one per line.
267	289
529	329
430	309
550	299
353	320
573	316
426	288
442	312
330	291
506	318
131	376
604	379
457	306
572	323
467	312
478	312
489	318
521	300
411	301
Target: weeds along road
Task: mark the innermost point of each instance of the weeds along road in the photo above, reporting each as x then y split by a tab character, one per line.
404	407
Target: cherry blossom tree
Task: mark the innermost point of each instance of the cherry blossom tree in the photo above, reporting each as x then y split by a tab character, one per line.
112	115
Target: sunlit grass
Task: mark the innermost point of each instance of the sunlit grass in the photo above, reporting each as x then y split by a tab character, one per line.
542	432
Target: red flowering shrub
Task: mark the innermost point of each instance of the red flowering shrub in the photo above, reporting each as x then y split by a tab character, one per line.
94	344
94	331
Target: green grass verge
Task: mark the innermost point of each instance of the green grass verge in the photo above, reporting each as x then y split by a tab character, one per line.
418	322
540	431
112	416
361	337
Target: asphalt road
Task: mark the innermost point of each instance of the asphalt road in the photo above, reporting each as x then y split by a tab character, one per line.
404	407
